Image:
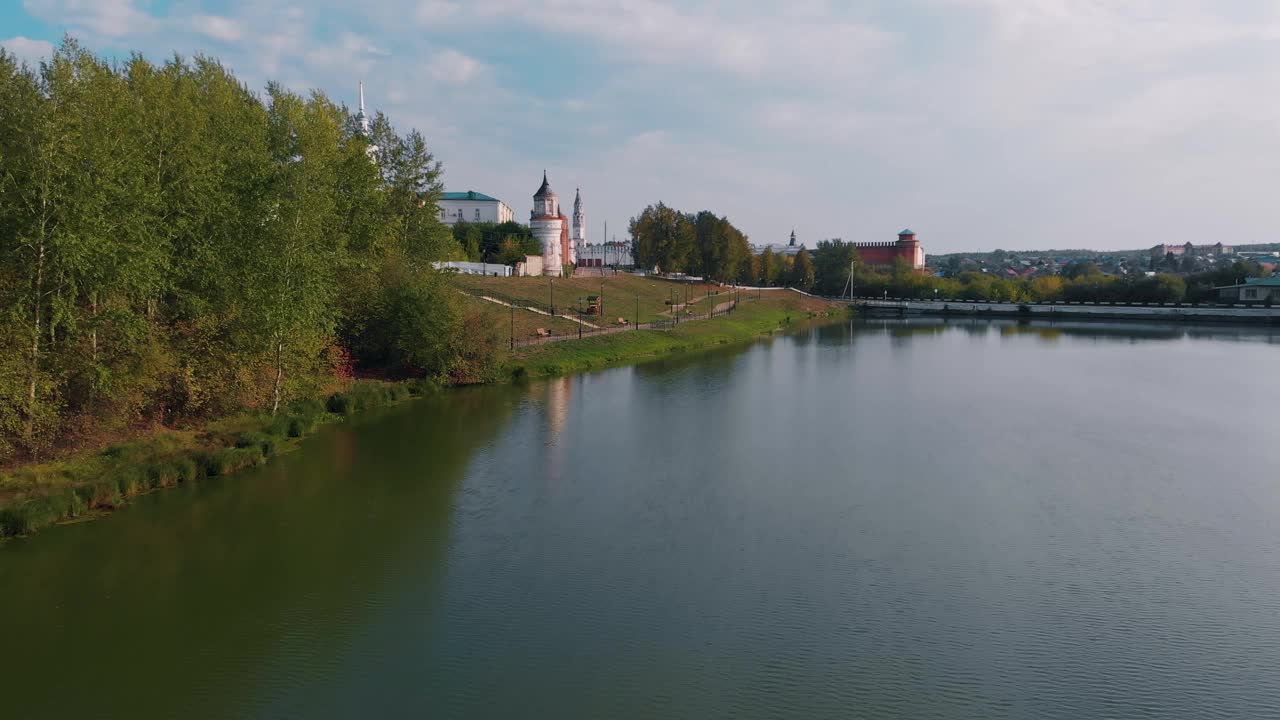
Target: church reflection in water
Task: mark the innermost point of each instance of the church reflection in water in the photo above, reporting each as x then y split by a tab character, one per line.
558	393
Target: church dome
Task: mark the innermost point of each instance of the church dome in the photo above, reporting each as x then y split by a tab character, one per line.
545	191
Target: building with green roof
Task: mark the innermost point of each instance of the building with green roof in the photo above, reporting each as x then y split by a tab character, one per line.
473	207
1252	290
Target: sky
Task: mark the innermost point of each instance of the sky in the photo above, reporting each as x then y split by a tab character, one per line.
980	124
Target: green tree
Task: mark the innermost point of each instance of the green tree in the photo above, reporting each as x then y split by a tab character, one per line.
662	237
770	268
834	262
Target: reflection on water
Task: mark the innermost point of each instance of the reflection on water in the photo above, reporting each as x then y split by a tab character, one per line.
883	519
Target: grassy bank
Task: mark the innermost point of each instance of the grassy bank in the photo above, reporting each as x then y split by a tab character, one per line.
638	299
37	496
755	316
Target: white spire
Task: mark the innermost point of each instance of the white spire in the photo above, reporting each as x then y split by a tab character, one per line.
361	118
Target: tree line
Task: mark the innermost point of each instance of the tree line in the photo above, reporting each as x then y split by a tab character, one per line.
505	243
174	246
709	246
839	271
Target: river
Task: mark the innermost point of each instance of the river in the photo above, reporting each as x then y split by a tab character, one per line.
877	520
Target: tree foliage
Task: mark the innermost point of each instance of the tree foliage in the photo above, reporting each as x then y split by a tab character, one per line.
174	246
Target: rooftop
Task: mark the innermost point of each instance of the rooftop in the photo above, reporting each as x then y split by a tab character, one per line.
545	190
468	195
1273	281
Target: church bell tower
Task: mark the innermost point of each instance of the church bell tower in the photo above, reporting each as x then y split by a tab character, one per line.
578	241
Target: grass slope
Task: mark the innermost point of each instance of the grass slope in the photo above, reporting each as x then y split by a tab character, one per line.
754	317
621	294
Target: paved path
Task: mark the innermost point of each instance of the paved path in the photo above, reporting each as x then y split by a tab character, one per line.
596	329
570	318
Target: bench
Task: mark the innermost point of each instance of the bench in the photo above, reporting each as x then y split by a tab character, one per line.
541	332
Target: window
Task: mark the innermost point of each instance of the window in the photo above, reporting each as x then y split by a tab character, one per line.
477	214
1251	294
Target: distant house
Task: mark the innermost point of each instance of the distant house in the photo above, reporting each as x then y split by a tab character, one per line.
1161	251
472	207
1252	290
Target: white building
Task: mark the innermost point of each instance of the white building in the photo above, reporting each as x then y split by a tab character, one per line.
609	254
473	207
473	268
790	248
549	228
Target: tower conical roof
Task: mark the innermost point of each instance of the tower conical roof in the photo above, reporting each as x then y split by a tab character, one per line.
545	191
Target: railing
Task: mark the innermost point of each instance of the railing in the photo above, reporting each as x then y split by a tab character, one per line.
585	331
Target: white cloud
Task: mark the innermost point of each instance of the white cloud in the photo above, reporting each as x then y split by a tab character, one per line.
104	18
218	28
1059	120
28	50
451	67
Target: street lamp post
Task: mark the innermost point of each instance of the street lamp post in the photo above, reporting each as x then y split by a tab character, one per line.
552	282
637	326
513	326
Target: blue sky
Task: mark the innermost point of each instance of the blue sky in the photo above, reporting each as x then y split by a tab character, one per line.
978	123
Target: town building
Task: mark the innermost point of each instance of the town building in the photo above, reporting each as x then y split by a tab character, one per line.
1252	290
791	248
1160	252
883	254
606	254
473	207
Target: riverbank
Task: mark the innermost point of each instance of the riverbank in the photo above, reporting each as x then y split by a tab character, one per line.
1166	312
753	317
89	484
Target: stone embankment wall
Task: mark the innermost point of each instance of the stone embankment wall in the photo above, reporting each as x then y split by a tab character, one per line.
1099	311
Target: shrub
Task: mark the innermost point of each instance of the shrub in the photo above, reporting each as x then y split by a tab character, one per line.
161	474
338	403
101	493
186	469
130	481
263	442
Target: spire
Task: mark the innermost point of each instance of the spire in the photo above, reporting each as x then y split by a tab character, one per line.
545	190
577	202
793	237
362	119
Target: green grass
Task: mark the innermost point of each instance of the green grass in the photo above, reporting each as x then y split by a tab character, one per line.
526	322
37	496
621	293
753	318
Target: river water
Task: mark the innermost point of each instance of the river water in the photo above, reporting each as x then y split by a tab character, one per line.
879	520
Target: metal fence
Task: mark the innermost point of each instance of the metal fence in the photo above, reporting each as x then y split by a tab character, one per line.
682	313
